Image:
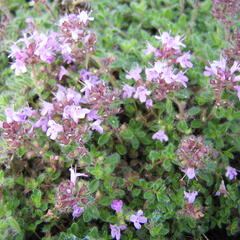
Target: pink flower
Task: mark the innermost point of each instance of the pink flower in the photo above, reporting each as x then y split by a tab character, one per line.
231	172
137	219
42	123
184	60
134	74
19	67
14	116
77	211
116	231
170	42
47	108
63	71
128	91
160	135
53	129
117	205
75	112
74	175
142	93
190	196
181	78
190	172
96	126
222	189
150	49
83	17
149	103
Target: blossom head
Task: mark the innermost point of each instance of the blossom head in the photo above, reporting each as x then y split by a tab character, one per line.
190	196
190	172
222	189
134	74
116	231
74	175
231	172
137	219
77	211
117	205
160	135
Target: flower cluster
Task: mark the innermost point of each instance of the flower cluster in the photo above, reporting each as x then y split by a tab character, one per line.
76	41
164	76
17	126
71	197
73	42
223	78
192	152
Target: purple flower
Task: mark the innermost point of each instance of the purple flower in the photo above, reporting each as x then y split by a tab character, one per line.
19	67
137	219
116	231
42	123
77	211
14	116
181	78
75	112
83	17
92	115
160	135
96	126
54	129
170	42
150	49
63	71
222	189
47	108
117	205
190	196
190	172
134	74
184	60
231	172
141	94
149	103
128	91
74	175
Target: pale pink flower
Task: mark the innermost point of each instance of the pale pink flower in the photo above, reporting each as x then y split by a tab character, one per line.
150	49
137	219
141	94
117	205
74	175
53	129
184	60
128	91
63	72
116	231
134	74
160	135
222	189
190	196
97	126
190	172
231	172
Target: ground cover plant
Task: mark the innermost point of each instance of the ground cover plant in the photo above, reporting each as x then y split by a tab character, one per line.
119	119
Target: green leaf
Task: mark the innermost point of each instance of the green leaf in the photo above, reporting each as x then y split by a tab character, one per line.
113	121
36	197
194	111
127	134
104	138
93	186
183	127
121	149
